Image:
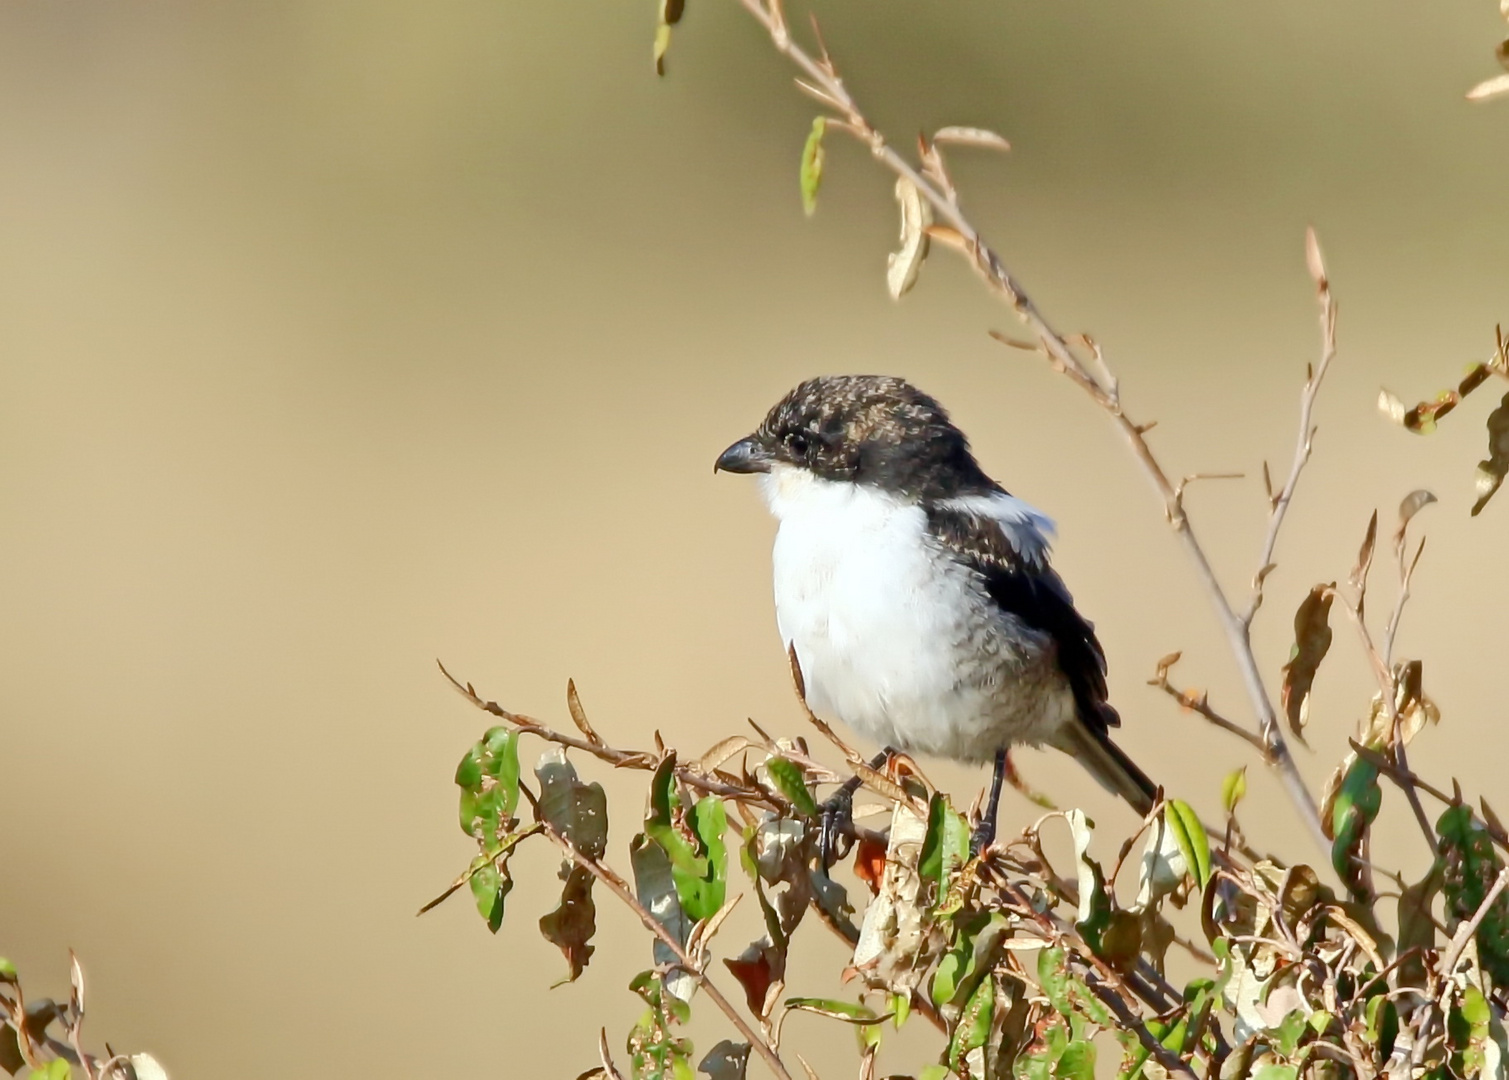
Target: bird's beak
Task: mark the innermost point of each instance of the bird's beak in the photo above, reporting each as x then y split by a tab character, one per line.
745	456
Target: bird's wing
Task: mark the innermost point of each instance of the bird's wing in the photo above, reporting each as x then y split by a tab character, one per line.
1009	550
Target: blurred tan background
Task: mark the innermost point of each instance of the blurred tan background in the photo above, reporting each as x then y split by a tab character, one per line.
336	337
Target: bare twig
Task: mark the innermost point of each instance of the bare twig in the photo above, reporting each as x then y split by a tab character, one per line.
619	759
1278	505
1201	704
932	185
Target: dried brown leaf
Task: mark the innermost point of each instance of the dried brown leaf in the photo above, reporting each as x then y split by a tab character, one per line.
579	715
1489	88
1412	504
903	265
1365	554
571	925
971	136
1491	471
718	753
1313	261
1312	640
1390	405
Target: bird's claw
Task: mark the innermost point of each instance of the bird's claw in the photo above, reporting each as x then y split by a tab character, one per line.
983	834
835	827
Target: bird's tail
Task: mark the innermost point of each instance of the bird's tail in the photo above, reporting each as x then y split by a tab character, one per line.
1112	769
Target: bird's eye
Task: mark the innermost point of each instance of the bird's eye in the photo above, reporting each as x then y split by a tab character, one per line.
797	443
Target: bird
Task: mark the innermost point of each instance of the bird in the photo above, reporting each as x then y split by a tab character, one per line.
917	594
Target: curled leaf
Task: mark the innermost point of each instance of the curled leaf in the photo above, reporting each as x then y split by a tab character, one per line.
670	14
811	173
1313	260
571	925
1312	640
1411	505
1491	471
1233	789
1365	554
971	136
787	778
1353	803
902	266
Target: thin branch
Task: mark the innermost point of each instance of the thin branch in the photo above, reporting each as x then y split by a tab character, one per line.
620	888
1201	705
619	759
1278	507
1062	358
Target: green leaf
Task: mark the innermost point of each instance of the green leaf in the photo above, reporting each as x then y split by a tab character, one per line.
973	1028
488	776
1077	1062
790	782
1185	826
945	848
1053	977
1234	789
933	1072
7	971
811	175
469	772
1277	1072
670	15
1470	864
56	1069
1353	810
489	887
699	861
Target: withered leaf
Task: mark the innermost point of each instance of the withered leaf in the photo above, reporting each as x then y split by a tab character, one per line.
670	14
971	136
1489	88
1312	640
726	1061
1365	554
869	863
1492	471
758	968
571	925
1313	260
579	714
903	265
1411	505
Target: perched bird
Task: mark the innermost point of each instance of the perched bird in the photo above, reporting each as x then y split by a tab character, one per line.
917	592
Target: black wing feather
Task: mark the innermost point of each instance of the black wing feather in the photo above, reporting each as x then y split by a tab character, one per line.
1028	588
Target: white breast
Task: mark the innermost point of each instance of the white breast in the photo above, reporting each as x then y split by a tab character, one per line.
896	639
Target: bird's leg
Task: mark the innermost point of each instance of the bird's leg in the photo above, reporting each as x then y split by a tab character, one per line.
837	814
985	831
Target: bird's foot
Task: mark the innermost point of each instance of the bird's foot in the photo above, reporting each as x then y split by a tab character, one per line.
835	826
982	837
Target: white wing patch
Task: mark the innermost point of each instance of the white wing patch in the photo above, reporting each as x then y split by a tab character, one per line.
1025	527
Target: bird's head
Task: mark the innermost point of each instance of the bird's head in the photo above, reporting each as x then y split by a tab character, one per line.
875	430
